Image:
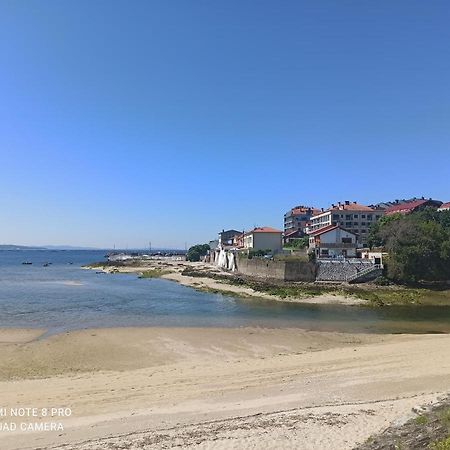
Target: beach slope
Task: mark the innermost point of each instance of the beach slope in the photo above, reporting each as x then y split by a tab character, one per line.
219	388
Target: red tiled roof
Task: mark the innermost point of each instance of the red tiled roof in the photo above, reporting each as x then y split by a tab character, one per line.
405	207
264	230
304	210
352	206
445	205
329	228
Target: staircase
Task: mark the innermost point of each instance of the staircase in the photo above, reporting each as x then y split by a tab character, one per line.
367	274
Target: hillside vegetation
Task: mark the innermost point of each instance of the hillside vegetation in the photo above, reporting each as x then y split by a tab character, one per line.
418	246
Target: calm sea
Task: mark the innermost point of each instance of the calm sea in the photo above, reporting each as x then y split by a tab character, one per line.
63	296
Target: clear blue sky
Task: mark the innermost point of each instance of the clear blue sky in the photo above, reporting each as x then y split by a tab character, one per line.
128	121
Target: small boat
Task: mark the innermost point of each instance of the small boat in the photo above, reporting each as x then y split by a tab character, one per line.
27	263
45	265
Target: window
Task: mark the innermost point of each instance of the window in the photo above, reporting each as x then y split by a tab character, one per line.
355	216
324	251
347	240
363	216
363	231
348	224
363	223
335	216
355	224
348	217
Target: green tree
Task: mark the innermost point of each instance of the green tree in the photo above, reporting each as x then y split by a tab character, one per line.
298	243
374	238
418	245
197	251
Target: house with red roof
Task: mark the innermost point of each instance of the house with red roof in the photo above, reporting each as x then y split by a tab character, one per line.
351	216
444	207
412	205
333	241
264	238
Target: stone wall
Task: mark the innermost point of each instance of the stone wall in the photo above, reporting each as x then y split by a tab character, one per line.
280	270
340	270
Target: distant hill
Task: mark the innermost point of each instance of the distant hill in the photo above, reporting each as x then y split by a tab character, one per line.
69	247
44	247
19	247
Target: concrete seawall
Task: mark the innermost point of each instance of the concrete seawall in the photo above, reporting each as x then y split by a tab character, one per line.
281	270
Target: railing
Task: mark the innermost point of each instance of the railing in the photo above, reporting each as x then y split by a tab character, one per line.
363	272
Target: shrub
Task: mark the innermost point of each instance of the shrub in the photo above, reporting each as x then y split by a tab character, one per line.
421	420
383	281
444	444
154	273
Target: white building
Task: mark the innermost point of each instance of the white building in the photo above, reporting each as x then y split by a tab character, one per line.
375	255
349	215
333	241
264	238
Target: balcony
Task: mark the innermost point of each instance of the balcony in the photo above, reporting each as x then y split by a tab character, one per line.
336	245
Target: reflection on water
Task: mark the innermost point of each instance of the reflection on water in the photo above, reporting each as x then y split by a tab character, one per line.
63	296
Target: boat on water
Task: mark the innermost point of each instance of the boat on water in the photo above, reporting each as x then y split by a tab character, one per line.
27	263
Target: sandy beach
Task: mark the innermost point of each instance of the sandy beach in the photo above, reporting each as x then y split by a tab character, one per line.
152	388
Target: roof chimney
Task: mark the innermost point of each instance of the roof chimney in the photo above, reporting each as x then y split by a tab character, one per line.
347	202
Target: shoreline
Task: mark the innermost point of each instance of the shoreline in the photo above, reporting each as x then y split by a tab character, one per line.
207	284
209	278
190	387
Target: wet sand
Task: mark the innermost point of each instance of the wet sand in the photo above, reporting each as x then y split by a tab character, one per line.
145	388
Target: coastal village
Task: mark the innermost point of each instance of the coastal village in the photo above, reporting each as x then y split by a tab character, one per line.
316	244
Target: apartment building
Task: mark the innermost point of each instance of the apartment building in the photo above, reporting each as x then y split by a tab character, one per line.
298	217
348	215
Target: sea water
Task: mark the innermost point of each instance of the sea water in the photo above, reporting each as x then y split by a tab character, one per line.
63	296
